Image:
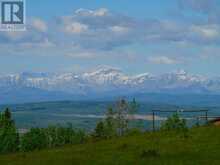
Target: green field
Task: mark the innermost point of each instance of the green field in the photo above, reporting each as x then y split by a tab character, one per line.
201	147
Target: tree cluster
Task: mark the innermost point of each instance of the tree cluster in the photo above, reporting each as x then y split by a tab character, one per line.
35	138
117	119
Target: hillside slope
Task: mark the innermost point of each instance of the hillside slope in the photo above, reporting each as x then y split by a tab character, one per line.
202	147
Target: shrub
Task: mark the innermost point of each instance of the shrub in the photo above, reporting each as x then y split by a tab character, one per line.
71	135
100	130
53	136
175	123
35	139
134	131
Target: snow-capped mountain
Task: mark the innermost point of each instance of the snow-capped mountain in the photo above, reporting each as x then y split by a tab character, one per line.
106	81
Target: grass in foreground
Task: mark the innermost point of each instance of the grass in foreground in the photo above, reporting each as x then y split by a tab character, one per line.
202	147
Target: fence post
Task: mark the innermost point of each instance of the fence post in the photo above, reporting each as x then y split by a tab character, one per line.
153	121
206	117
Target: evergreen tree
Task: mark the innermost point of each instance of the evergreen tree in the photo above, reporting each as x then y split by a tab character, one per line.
9	138
100	130
7	114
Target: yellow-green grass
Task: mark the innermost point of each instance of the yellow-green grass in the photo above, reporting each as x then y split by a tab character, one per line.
202	147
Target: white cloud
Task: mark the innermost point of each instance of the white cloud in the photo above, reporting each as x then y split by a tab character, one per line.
101	12
75	28
119	29
103	31
96	13
39	25
207	31
83	12
162	60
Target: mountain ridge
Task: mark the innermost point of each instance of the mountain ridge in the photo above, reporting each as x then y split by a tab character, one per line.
104	82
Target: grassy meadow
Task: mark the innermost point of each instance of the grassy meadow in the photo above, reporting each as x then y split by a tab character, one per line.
202	146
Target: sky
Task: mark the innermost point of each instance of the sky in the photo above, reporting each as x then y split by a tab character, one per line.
154	36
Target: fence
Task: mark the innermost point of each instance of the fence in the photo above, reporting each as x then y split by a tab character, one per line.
195	116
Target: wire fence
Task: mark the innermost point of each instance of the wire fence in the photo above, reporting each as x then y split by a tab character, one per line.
192	117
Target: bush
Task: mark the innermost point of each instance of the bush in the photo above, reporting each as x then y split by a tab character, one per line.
175	123
100	130
53	136
68	135
35	139
134	131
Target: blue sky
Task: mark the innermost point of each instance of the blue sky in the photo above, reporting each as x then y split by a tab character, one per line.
155	36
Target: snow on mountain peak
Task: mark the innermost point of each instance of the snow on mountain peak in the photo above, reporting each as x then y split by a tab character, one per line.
104	75
106	78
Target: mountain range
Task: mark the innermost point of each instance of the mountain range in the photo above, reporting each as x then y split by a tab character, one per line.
103	82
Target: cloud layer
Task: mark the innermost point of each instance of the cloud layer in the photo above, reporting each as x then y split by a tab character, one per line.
101	33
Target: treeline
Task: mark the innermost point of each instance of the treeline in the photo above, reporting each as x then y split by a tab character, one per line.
35	138
115	124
